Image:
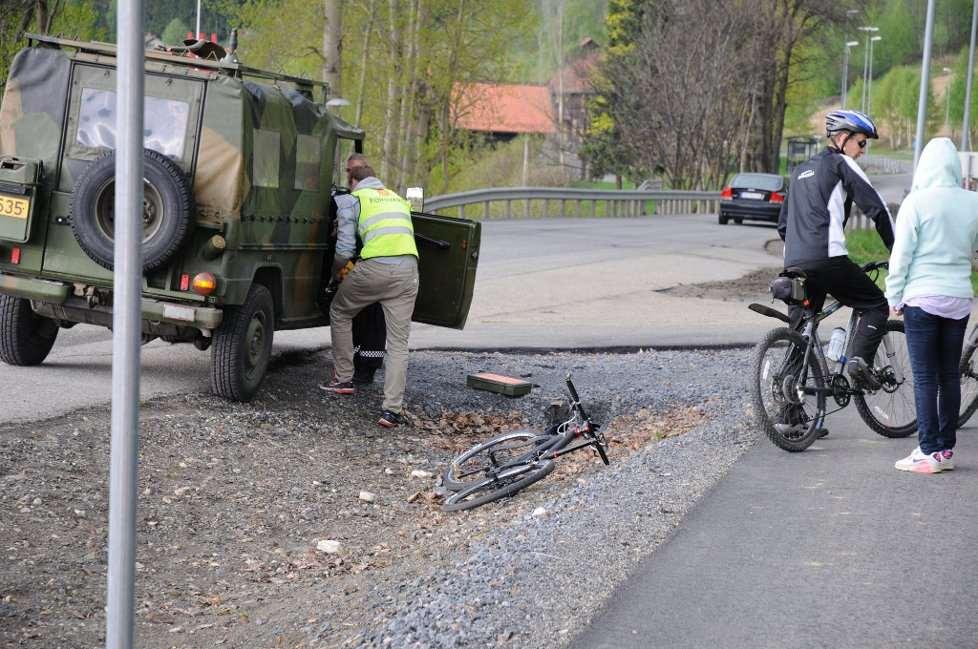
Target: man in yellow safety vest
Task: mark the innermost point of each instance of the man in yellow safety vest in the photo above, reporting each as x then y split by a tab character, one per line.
387	272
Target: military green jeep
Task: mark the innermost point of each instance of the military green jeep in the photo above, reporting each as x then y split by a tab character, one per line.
238	238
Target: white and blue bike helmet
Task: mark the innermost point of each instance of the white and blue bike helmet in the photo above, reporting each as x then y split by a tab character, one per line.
852	121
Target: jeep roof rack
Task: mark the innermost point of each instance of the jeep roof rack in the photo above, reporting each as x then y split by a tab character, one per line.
234	69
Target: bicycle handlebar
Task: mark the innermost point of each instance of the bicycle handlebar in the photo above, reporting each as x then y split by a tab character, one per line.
875	265
577	399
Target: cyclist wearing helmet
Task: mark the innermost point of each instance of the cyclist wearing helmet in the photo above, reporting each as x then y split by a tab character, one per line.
812	226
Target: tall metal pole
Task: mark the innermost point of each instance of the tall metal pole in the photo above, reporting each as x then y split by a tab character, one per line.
965	128
869	81
918	143
862	105
126	325
197	33
845	73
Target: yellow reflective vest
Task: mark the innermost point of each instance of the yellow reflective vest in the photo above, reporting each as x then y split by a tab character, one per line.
384	225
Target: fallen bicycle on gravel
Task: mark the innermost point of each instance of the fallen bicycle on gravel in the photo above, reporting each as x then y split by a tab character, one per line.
507	463
794	376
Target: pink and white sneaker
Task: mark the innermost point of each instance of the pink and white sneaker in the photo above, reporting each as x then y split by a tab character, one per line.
919	462
948	462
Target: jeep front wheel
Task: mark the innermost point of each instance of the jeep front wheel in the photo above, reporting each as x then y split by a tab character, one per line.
242	346
25	337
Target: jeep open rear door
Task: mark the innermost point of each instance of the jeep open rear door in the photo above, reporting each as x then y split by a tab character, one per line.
448	249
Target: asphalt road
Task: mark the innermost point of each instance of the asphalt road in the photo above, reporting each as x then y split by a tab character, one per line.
828	548
541	283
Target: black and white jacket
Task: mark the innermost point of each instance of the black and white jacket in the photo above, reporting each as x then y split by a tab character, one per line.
813	217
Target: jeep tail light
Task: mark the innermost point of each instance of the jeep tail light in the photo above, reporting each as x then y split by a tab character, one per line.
727	193
204	284
185	282
15	255
777	197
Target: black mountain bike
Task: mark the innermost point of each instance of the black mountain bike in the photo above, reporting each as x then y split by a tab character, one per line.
793	379
969	377
512	461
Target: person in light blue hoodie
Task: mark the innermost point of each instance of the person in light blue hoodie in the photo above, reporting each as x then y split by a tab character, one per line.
929	282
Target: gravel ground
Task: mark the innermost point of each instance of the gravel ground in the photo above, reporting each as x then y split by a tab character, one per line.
236	500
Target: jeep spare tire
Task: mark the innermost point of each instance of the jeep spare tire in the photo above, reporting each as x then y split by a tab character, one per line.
167	210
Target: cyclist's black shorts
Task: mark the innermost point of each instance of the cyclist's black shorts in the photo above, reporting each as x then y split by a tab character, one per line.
845	281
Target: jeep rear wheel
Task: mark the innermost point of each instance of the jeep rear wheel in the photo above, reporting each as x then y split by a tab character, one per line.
167	210
25	337
243	346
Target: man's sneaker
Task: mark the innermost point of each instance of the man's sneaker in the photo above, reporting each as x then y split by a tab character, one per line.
389	420
948	459
363	377
920	462
338	387
861	375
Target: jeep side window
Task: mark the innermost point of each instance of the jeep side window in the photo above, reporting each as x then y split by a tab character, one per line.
164	123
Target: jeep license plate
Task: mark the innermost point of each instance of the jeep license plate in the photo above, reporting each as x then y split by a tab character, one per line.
14	207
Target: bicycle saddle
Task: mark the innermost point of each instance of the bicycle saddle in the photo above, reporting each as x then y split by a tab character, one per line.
793	271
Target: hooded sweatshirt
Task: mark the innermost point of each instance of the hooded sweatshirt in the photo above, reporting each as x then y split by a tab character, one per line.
936	232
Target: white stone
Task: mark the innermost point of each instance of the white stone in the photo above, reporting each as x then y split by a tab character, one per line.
329	546
539	511
368	497
180	491
418	473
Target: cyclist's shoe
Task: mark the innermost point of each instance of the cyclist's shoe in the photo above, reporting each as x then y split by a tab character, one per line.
862	376
920	462
948	456
799	429
389	420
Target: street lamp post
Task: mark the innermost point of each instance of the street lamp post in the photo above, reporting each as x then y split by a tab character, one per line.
966	125
869	80
868	30
845	71
947	98
845	58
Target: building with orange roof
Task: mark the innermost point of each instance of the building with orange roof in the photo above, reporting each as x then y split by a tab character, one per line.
504	110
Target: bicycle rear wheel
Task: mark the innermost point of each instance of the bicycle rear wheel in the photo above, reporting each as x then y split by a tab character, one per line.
969	384
507	483
474	465
786	390
891	411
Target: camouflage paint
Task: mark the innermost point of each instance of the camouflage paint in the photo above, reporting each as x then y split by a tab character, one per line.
277	229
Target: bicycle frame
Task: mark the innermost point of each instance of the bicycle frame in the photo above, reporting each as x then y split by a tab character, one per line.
810	334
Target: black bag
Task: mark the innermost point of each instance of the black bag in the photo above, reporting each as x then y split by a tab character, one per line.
790	290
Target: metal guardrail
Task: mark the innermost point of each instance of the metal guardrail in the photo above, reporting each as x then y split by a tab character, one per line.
877	164
554	201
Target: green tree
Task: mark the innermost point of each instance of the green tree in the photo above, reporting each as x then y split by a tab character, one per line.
175	32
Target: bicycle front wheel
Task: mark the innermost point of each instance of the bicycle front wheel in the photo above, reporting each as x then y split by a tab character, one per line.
787	390
891	411
480	461
969	384
507	483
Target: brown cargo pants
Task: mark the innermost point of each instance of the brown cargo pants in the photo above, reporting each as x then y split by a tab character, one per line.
395	286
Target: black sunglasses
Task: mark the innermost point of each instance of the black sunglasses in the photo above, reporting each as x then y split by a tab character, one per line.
862	143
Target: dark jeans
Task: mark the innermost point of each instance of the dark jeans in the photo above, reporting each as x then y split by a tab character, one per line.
847	283
935	354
